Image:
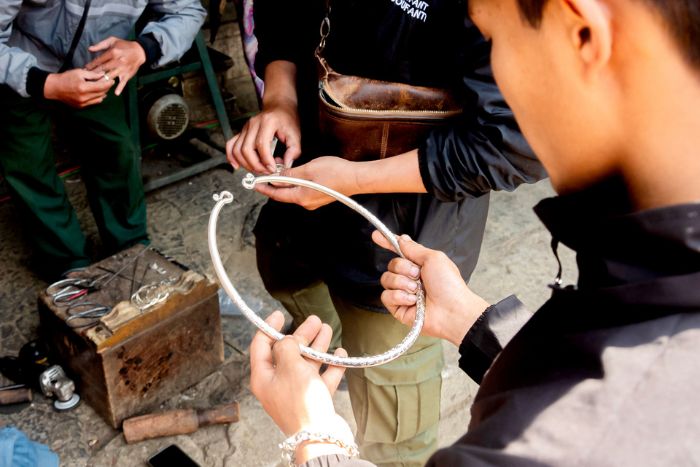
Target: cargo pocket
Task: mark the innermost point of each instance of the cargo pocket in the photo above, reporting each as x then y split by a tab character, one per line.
402	398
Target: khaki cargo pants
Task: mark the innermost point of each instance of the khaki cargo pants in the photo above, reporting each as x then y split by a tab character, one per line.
397	405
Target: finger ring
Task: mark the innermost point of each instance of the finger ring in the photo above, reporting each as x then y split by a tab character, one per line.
106	76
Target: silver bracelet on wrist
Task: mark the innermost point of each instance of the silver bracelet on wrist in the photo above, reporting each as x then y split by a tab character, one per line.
289	445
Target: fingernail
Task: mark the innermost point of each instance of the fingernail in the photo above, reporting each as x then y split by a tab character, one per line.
413	286
406	237
411	298
271	168
415	272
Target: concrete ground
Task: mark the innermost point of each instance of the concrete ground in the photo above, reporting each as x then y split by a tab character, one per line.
515	259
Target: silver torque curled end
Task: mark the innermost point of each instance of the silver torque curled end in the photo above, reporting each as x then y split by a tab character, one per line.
224	197
248	182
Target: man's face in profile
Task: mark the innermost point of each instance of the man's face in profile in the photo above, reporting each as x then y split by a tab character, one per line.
558	101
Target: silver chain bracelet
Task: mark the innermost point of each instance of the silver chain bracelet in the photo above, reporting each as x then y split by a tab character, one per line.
249	183
289	445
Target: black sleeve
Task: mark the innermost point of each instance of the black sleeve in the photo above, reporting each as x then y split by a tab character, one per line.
150	47
491	332
286	30
36	79
485	150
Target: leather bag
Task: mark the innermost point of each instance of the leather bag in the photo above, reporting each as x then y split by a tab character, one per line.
364	119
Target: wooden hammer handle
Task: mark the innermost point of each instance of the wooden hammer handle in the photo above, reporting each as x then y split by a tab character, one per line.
177	422
15	396
227	413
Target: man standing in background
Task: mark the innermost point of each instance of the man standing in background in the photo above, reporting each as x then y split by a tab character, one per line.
60	61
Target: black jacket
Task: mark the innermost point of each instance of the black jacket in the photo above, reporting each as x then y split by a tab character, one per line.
607	372
432	44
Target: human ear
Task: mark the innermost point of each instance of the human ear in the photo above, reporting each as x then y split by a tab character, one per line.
588	23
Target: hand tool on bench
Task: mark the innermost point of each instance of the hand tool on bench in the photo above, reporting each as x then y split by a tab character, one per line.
177	422
85	314
67	290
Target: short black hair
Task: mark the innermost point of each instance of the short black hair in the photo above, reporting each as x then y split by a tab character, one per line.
682	18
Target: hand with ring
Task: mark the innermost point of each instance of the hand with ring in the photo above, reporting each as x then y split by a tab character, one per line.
77	88
119	59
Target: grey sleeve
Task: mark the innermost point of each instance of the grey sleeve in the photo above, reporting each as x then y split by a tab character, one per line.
14	62
491	332
485	149
176	29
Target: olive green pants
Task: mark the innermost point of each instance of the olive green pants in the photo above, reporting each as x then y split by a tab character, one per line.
397	405
101	139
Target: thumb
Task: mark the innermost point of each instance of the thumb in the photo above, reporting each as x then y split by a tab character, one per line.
292	171
287	353
103	45
412	251
261	346
290	155
292	141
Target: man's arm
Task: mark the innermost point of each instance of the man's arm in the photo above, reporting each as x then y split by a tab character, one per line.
483	151
19	71
174	32
14	63
453	312
398	174
161	42
286	32
252	147
489	335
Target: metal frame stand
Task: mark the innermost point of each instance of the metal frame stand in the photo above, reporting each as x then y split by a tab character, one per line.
216	156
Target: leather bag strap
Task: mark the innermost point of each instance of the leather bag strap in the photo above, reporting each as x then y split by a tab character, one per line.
324	31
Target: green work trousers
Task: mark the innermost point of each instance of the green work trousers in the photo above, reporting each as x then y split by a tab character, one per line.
100	137
396	405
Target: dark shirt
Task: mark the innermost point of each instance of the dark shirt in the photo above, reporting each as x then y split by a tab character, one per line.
607	371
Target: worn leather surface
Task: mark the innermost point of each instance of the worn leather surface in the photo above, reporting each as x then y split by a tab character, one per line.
362	93
360	137
365	119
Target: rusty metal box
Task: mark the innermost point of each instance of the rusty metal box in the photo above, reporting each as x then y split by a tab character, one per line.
134	358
